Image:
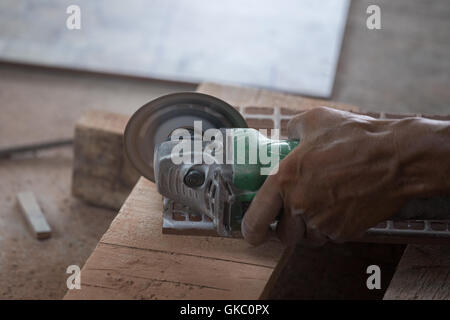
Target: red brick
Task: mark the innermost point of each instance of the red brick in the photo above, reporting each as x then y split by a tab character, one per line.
288	112
260	123
258	110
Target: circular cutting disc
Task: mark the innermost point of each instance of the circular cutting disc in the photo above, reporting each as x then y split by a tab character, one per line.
154	122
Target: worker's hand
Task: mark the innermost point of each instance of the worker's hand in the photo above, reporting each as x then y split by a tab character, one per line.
343	178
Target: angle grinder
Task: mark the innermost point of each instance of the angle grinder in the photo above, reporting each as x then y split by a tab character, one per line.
208	166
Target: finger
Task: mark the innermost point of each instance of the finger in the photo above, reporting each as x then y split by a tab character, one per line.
291	228
314	238
272	233
315	234
262	212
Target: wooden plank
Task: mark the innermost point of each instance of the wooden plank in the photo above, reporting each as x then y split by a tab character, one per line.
139	225
422	274
163	275
333	271
134	254
33	215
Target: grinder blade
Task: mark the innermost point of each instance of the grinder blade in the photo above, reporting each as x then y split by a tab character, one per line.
155	121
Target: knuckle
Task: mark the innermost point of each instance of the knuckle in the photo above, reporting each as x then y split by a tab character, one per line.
317	112
308	120
307	115
294	127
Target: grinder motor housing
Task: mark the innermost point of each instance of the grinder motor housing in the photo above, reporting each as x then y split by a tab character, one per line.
223	188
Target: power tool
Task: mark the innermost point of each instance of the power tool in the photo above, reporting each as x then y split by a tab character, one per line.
208	166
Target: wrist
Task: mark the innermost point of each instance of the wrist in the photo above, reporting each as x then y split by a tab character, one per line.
423	150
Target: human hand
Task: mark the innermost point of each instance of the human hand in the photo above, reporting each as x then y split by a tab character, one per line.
347	174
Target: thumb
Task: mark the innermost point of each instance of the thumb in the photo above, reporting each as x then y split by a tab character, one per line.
262	212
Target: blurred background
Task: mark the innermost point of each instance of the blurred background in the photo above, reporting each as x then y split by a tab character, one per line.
128	53
290	46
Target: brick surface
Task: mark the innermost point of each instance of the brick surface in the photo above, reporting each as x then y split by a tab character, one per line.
258	110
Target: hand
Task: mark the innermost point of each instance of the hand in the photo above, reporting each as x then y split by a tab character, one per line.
348	173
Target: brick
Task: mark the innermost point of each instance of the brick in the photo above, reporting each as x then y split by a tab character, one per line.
260	123
289	112
258	110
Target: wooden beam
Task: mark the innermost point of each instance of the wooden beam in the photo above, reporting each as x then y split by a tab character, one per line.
333	271
33	215
102	175
135	260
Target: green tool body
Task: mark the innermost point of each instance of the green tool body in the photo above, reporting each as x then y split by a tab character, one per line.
254	154
247	176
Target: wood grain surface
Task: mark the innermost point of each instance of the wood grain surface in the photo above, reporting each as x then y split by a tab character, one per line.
422	274
135	260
